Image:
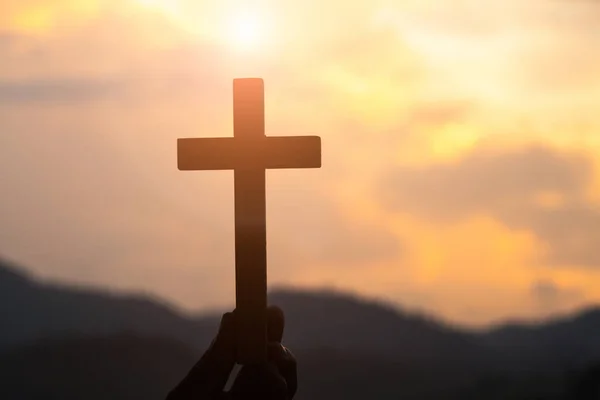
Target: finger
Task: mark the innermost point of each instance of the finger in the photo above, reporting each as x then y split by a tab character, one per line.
275	324
279	355
289	370
285	362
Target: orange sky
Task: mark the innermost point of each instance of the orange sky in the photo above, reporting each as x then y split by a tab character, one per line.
459	173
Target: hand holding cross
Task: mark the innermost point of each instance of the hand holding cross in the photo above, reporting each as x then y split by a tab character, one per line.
249	153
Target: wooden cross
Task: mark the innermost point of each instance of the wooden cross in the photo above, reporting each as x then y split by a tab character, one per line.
249	153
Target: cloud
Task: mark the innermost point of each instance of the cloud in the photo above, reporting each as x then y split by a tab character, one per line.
57	91
93	99
551	297
536	189
327	235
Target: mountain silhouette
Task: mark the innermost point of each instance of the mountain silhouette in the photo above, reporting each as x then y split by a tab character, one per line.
342	322
131	367
560	344
94	367
353	339
32	310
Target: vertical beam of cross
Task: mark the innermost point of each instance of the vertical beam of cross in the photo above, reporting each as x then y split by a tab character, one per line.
250	224
249	153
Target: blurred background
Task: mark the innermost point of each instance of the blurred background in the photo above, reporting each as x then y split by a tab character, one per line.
457	209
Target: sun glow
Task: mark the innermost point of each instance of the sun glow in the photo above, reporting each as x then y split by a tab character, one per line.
247	30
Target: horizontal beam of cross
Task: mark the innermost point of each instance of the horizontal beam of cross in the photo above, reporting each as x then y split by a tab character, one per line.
268	152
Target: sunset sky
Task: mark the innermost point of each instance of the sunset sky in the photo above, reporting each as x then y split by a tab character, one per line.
461	148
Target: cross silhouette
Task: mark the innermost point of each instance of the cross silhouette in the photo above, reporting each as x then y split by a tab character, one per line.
249	153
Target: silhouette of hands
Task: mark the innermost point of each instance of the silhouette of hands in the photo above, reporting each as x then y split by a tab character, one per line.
276	380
